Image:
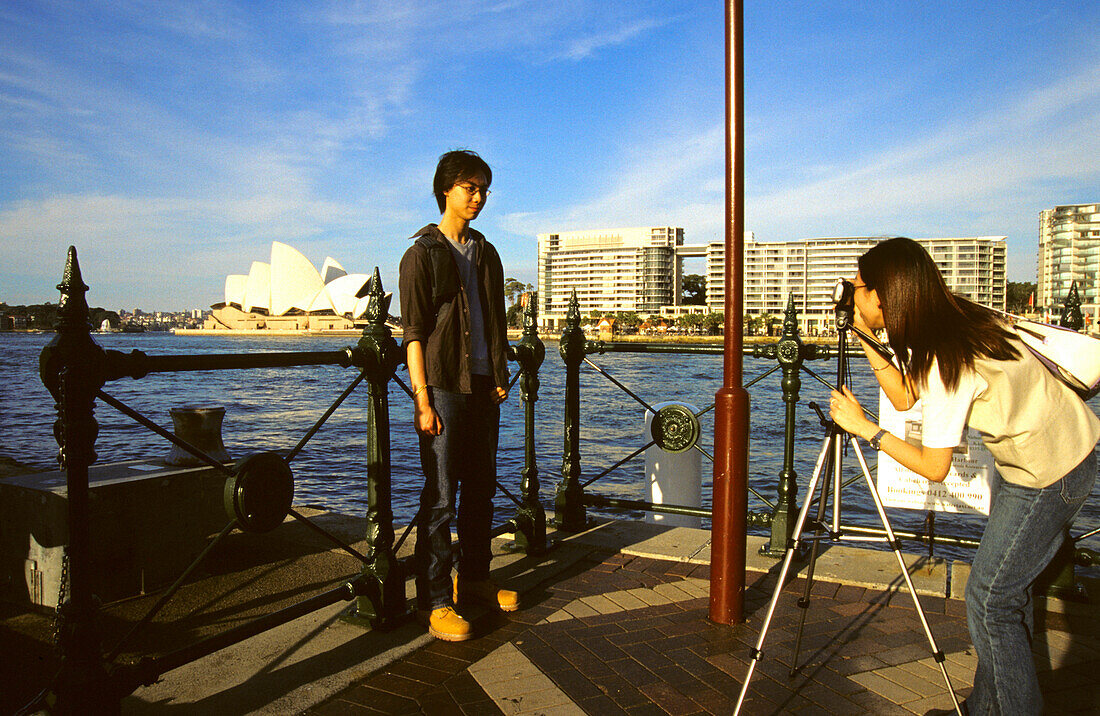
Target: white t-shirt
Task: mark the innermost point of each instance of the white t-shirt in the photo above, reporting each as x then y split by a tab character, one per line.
944	413
1036	428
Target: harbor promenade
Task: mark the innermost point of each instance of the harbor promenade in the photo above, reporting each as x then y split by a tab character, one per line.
614	621
624	630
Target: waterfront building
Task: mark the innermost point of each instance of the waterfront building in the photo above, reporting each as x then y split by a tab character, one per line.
289	293
1069	251
683	309
631	270
808	270
640	270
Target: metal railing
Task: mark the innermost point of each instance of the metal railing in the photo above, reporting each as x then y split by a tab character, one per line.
672	423
779	516
259	487
258	490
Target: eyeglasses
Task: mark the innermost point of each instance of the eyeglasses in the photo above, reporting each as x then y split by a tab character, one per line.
472	190
858	285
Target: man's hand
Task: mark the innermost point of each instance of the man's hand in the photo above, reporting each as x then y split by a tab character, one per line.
498	394
425	418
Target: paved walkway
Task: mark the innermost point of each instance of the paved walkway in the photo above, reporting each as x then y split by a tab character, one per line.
615	621
627	632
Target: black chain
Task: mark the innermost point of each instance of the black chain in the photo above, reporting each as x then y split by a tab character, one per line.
62	597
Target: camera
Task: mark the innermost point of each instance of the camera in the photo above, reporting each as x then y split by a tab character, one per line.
844	293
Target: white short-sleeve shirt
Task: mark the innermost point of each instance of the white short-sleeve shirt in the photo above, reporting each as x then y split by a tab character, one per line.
944	413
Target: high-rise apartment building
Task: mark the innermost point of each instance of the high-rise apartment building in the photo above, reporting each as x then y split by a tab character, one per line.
774	271
639	270
1069	250
633	269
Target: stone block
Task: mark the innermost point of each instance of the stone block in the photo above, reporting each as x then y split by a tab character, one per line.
148	521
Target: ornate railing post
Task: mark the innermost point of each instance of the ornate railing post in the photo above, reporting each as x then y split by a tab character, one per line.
1071	310
72	369
569	514
1059	578
530	352
382	601
790	352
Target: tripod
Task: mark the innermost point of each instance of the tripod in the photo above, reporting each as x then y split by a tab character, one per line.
830	460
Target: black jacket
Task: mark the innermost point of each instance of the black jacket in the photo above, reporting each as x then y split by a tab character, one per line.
445	335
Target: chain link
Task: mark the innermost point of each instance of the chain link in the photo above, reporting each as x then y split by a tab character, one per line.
62	597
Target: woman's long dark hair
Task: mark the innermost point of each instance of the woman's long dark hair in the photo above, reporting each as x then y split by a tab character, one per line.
924	320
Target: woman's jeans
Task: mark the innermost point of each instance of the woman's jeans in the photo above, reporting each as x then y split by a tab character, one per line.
1026	527
463	454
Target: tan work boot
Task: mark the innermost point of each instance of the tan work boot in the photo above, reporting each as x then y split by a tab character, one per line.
486	593
446	624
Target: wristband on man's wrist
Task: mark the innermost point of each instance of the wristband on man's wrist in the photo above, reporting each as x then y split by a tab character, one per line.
420	390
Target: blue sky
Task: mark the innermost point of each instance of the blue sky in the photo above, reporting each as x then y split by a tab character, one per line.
172	142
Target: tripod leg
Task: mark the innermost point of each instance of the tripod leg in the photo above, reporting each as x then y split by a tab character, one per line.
788	557
804	602
936	653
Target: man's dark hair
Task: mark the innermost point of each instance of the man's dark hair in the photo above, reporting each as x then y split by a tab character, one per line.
454	167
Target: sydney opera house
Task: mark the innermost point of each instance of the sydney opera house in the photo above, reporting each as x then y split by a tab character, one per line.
288	293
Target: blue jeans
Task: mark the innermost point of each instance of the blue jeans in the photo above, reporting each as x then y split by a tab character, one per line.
1026	527
463	454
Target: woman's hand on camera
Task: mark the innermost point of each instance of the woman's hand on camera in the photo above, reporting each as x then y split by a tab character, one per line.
846	412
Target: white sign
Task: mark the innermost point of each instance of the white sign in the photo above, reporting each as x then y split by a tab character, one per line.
966	488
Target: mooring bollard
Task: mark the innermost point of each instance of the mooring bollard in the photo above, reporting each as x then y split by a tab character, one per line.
200	426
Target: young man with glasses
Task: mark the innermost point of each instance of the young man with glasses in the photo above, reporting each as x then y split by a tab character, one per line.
455	335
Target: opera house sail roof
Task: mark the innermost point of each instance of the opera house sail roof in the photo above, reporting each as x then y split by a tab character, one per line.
331	270
257	290
234	289
289	282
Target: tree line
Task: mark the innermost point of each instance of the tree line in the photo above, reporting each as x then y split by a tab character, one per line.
43	316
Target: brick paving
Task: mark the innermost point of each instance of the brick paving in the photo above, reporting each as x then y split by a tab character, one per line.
614	621
619	634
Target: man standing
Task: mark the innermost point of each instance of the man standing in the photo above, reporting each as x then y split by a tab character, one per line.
452	310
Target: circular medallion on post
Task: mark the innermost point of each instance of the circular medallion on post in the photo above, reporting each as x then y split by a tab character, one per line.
675	428
788	351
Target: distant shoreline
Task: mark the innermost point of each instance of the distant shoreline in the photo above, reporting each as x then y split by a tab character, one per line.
263	332
512	334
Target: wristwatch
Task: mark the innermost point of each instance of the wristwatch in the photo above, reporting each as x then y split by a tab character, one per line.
876	439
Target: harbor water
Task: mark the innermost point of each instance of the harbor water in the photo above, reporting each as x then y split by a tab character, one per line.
271	409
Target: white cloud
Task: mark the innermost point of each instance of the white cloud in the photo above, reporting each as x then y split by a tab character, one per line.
985	174
662	184
133	238
315	125
586	46
978	165
547	31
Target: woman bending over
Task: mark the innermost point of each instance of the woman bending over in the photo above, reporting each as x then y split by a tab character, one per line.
968	368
